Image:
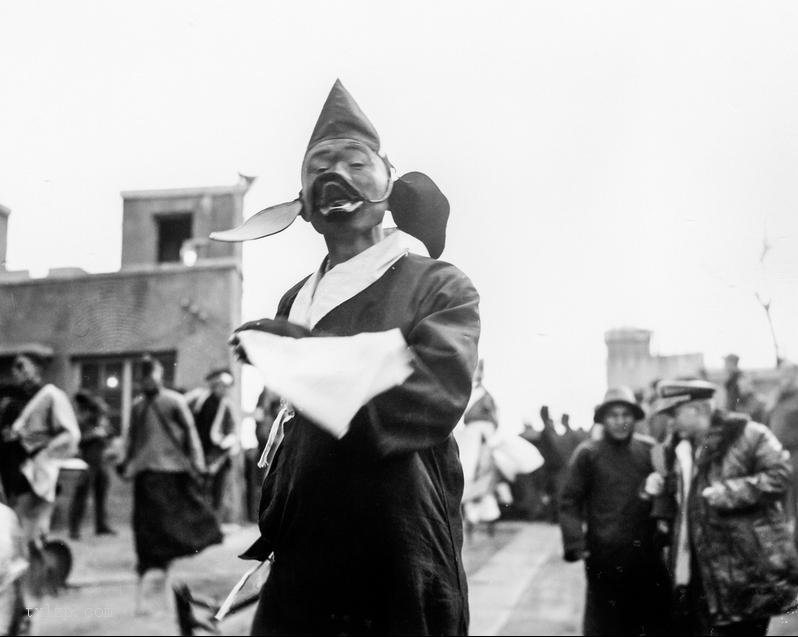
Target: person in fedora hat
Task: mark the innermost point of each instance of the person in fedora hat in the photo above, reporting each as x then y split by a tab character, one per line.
361	513
605	521
720	490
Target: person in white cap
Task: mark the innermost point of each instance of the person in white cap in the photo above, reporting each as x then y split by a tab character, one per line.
606	521
721	484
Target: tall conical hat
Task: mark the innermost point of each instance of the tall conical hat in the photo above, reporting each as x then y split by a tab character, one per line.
417	204
341	118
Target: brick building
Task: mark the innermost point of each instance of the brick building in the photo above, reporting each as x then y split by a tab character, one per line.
177	296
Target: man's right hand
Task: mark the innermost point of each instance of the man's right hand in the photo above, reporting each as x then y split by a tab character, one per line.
655	485
238	350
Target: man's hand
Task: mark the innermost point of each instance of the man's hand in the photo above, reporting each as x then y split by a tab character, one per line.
655	485
713	493
278	327
238	349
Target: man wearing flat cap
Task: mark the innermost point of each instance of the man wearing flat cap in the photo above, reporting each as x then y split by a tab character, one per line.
605	521
731	556
373	355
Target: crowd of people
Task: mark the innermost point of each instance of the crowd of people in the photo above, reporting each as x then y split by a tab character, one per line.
681	502
691	532
177	452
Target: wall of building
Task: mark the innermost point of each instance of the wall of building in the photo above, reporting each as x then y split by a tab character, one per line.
4	214
212	209
188	309
630	362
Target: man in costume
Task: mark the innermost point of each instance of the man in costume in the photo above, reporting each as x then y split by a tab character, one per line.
213	416
94	437
606	521
361	503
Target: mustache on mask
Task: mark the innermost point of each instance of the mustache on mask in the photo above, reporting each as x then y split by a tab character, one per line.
333	194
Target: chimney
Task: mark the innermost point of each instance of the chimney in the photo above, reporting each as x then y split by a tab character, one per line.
4	213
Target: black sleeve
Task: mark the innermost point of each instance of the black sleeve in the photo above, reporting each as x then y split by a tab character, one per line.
422	411
572	501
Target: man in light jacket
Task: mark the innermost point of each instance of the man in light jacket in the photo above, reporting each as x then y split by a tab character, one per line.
45	431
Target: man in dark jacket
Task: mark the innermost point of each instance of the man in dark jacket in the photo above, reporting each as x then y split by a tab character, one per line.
215	422
94	435
731	557
361	499
605	520
550	445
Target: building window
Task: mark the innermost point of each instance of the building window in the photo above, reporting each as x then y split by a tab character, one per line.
117	379
173	231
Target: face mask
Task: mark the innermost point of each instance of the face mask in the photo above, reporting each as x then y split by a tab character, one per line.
346	180
418	206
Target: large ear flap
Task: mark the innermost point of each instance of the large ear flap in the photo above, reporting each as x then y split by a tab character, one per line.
262	224
420	209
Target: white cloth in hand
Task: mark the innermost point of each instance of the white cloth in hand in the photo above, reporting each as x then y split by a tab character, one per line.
328	379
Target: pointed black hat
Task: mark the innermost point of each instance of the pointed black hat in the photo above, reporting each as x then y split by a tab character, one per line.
341	118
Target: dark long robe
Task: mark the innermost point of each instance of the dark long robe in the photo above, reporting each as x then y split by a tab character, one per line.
366	530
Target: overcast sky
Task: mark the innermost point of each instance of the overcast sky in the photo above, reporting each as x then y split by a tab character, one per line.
607	164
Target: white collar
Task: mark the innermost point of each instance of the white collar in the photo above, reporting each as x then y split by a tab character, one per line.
684	455
322	292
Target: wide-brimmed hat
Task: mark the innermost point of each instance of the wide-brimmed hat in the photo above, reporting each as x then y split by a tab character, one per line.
672	393
618	396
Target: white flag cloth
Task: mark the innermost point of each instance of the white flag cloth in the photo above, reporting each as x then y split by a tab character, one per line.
514	456
329	378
